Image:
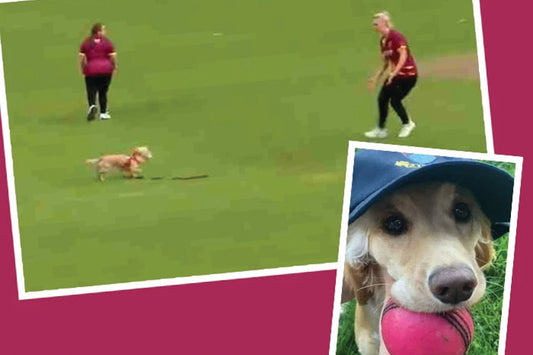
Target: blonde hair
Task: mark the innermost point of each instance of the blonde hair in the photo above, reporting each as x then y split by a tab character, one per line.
385	16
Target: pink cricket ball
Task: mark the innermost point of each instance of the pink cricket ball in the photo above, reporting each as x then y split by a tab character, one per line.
412	333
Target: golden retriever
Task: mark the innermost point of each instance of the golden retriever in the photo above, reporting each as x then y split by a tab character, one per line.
129	165
424	245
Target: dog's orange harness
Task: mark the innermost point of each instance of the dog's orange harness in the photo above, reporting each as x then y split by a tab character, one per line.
127	164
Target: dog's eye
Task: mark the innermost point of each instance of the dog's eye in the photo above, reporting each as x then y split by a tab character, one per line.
395	225
461	212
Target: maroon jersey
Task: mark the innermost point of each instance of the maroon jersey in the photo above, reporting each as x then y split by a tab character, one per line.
98	51
390	49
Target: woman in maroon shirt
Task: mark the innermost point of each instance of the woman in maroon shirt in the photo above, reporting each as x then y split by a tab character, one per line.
98	60
402	74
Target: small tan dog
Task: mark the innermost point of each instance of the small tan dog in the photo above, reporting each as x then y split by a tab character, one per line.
130	165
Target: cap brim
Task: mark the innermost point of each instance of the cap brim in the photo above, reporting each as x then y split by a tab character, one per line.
492	187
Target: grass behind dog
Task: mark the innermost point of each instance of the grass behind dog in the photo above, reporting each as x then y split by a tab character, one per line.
265	107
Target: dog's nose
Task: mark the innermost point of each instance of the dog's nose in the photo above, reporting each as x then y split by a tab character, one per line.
452	284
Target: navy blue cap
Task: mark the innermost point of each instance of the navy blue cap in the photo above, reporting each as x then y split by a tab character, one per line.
377	173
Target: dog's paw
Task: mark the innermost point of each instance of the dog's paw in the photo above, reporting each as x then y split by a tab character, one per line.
368	343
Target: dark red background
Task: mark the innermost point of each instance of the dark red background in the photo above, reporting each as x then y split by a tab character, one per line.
505	28
273	315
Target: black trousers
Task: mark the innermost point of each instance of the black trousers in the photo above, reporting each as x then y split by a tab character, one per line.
98	84
394	93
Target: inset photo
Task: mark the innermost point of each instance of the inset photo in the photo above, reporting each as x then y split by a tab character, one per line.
426	251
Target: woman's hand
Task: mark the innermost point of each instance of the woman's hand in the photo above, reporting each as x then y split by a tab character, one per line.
390	78
372	84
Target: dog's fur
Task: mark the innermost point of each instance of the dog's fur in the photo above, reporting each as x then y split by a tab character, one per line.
380	265
129	165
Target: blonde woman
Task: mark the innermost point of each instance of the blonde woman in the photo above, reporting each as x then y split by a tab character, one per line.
400	72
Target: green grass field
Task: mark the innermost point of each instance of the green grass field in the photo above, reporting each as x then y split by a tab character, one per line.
266	109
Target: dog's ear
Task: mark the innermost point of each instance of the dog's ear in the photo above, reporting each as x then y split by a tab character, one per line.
361	271
484	250
348	292
360	280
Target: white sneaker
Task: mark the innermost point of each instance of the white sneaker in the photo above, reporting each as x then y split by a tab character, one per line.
406	129
91	113
105	116
377	133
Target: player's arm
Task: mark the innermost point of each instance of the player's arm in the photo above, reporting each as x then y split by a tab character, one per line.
83	60
383	69
114	61
373	80
401	61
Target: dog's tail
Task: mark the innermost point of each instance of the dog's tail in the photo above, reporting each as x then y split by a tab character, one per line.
92	161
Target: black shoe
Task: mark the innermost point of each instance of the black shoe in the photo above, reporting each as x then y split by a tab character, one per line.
91	113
